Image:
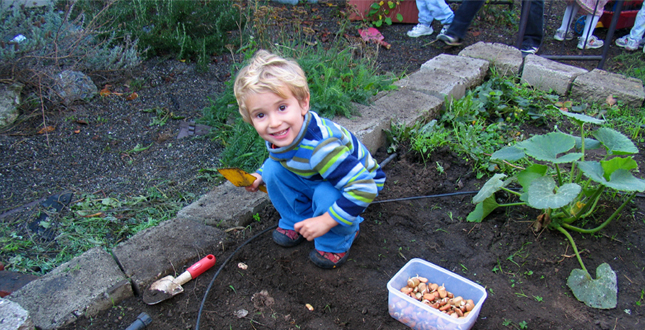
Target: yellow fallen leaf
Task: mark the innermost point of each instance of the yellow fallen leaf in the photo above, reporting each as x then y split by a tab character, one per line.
610	100
239	177
47	129
132	96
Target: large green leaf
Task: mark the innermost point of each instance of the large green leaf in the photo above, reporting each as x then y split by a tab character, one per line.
526	176
580	119
610	166
615	142
599	293
620	179
542	195
510	154
547	147
490	187
483	209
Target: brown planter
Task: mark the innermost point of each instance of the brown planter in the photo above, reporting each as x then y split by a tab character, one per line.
407	8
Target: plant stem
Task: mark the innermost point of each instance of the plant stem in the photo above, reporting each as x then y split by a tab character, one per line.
511	191
512	204
604	224
573	245
557	169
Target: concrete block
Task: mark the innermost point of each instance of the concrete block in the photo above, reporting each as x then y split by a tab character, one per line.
164	249
545	74
226	206
368	127
596	85
14	317
403	106
505	59
471	70
85	285
436	83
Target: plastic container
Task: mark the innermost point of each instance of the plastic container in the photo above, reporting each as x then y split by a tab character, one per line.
418	315
627	14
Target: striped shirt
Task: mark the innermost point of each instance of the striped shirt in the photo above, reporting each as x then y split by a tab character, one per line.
324	150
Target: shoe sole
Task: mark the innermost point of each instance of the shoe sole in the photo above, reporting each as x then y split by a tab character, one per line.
420	35
448	42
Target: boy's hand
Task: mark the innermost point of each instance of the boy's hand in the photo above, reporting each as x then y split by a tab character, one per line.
315	227
258	181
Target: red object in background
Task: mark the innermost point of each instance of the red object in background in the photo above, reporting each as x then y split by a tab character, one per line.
627	14
407	8
373	35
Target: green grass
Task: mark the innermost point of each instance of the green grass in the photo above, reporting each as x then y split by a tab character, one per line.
91	221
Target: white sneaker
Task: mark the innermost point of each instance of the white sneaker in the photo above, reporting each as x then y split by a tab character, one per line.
559	35
628	43
444	29
420	30
592	43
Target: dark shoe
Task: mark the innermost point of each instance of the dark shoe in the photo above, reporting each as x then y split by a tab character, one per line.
450	41
328	260
529	51
286	237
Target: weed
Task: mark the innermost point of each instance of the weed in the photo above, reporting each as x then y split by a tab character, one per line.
232	288
257	218
538	298
523	325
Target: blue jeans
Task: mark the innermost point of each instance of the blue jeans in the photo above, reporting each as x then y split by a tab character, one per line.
469	8
430	10
297	198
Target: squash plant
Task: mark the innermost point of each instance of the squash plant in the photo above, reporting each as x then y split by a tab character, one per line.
567	188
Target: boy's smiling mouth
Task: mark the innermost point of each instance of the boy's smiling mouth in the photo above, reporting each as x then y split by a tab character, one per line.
281	133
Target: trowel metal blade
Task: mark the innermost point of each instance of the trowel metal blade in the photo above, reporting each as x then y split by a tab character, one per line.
161	290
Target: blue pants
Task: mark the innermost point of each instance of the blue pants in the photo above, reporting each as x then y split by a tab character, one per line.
468	9
297	198
430	10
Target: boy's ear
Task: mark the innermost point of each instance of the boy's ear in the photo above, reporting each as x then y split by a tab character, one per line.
305	105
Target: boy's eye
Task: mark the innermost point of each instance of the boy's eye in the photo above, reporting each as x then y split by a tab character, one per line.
259	115
282	107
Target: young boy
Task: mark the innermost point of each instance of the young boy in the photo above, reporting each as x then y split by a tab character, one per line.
319	177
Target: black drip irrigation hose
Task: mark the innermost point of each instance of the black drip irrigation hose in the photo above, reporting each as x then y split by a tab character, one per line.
201	307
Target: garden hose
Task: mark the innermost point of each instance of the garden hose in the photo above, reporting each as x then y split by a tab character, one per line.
201	306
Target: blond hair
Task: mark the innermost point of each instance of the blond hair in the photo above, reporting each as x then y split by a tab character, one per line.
269	73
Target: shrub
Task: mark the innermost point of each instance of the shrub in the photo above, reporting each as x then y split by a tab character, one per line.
184	29
47	41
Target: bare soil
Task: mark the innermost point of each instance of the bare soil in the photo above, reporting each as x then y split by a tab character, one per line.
524	271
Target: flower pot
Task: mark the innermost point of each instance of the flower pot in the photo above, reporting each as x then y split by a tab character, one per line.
407	8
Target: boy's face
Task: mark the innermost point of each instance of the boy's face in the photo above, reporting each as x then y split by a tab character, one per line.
276	119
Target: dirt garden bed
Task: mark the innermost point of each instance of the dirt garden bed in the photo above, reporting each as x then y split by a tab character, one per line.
524	272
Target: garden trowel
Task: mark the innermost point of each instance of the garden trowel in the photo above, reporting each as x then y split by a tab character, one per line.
239	178
170	286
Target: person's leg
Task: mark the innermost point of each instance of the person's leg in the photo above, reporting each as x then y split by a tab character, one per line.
425	14
534	26
290	194
440	10
463	17
588	40
639	26
424	27
569	13
340	238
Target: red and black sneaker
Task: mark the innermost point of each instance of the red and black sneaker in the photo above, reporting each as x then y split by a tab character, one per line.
286	237
328	260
